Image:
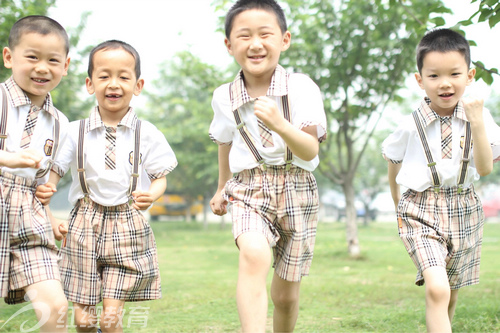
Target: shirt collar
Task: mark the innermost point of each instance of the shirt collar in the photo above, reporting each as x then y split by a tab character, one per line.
428	115
239	95
95	120
19	98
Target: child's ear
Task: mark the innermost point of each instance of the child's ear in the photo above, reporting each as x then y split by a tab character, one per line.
7	57
138	87
418	77
228	46
66	66
287	39
470	75
89	85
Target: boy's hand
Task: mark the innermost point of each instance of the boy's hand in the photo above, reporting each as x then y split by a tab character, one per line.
44	192
59	227
218	204
266	110
142	200
473	109
26	158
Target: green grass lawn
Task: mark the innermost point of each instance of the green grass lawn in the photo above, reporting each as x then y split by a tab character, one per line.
375	293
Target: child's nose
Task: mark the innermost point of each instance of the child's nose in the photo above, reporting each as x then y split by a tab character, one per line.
256	43
41	67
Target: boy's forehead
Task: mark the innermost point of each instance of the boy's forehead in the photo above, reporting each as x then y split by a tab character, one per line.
432	55
250	16
110	56
30	37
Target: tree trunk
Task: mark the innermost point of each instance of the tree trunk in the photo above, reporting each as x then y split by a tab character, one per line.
353	247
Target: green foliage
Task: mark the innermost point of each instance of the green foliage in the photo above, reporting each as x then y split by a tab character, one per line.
180	106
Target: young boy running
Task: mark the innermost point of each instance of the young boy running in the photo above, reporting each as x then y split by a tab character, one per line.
31	128
118	166
268	125
437	153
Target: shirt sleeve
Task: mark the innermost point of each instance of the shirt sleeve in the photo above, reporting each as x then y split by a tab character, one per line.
492	133
223	124
394	146
160	159
307	104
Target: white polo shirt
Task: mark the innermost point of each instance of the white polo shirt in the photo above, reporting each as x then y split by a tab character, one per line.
306	109
42	138
110	187
404	145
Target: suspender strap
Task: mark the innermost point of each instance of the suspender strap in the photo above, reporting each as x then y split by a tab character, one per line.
465	157
135	167
3	120
57	128
286	114
80	160
430	162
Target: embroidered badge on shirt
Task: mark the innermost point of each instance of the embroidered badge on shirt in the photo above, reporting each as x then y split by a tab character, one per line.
49	145
131	158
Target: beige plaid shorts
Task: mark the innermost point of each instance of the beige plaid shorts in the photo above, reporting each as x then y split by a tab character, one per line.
443	229
283	206
110	253
28	253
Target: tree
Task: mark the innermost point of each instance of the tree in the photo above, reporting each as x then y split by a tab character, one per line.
180	106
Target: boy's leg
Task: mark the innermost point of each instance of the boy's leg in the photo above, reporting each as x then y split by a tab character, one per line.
85	318
50	305
437	299
285	296
112	315
251	292
453	304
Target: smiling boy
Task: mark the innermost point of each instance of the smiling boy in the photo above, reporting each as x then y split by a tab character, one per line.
31	129
437	153
119	170
268	125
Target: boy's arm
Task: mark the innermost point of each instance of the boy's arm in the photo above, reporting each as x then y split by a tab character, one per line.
142	200
302	142
26	158
45	191
483	156
59	227
218	204
393	170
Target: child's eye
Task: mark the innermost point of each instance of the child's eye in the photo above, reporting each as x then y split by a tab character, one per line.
433	76
124	78
54	60
31	57
455	74
102	77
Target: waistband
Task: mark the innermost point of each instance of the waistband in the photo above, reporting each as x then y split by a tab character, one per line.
87	202
447	191
14	179
273	170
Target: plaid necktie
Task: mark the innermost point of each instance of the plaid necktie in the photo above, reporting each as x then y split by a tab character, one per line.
110	150
265	134
29	126
446	145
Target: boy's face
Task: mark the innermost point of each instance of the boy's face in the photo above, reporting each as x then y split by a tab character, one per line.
444	78
114	81
38	63
256	42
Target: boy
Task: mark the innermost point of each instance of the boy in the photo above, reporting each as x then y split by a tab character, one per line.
110	245
273	197
31	129
437	153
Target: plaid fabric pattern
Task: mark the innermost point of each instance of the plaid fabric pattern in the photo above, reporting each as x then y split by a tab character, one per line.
19	98
95	120
110	149
28	253
446	138
427	115
266	136
29	127
443	229
284	207
110	252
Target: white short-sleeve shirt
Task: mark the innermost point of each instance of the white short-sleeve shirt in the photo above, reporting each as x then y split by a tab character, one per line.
404	146
110	187
42	138
306	109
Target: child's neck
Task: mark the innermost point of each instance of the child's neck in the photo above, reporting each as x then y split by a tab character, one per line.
112	119
257	87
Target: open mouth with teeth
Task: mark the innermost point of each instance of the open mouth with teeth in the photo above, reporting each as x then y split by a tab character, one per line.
446	95
113	96
40	80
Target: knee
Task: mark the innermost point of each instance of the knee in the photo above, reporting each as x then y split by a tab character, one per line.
438	293
86	318
255	254
285	300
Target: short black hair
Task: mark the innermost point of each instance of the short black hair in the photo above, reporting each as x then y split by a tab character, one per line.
442	40
243	5
39	24
112	45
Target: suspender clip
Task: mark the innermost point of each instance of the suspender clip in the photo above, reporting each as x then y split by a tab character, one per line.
459	188
262	164
465	159
288	165
3	136
436	189
431	164
240	125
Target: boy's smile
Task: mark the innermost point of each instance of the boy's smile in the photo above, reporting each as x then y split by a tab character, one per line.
38	63
444	78
114	83
256	42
